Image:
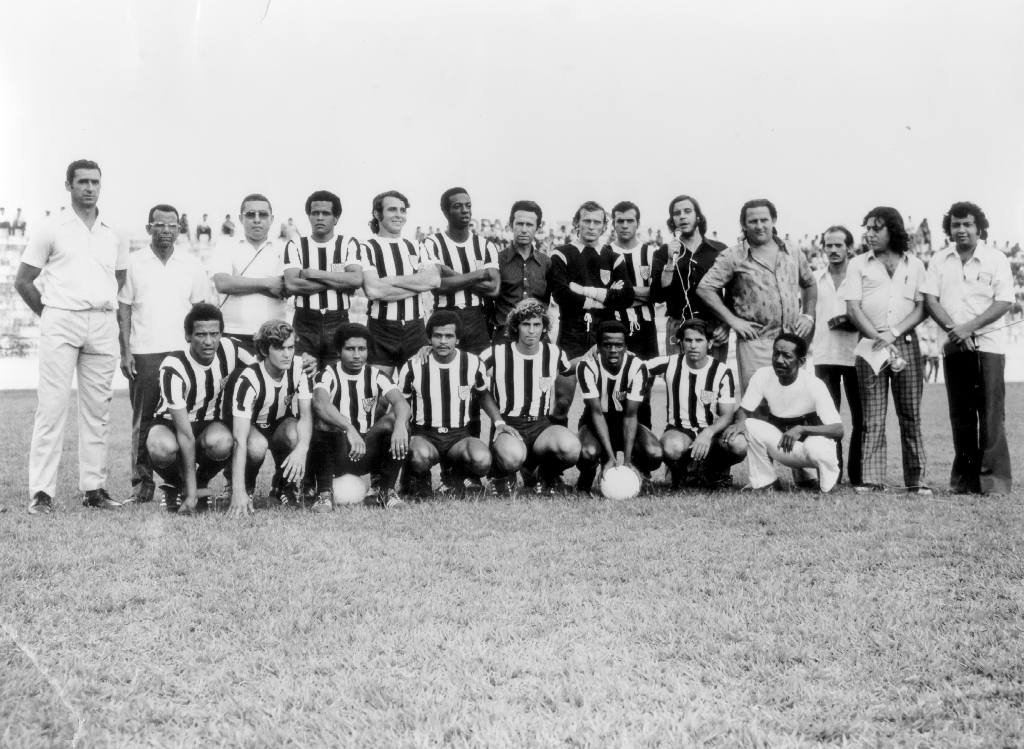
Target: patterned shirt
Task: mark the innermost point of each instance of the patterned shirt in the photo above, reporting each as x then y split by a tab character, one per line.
613	389
187	384
473	254
395	257
264	400
694	394
354	395
441	393
333	256
638	261
523	385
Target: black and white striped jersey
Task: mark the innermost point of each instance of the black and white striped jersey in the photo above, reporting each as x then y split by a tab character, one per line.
694	394
265	401
524	385
473	254
613	389
354	395
395	257
441	394
333	256
638	265
187	384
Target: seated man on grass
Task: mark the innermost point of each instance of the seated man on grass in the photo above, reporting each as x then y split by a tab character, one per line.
803	423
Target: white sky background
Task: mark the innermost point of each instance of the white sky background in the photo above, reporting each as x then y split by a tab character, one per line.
828	109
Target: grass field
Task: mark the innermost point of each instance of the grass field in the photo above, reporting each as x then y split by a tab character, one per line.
680	620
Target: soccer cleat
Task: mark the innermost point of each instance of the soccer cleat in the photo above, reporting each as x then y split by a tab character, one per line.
310	497
170	501
391	501
99	499
471	488
324	502
41	504
503	487
289	497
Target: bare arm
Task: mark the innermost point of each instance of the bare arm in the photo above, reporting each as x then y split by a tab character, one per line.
600	426
295	284
629	427
400	434
490	407
124	321
24	283
348	280
745	329
240	502
426	278
738	426
272	286
294	465
186	457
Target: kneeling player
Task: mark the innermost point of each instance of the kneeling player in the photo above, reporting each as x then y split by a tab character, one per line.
268	397
700	405
348	438
186	431
523	375
614	385
441	387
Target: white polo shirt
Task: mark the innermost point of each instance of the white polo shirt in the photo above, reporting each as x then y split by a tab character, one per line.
965	290
77	263
160	296
244	313
831	346
886	301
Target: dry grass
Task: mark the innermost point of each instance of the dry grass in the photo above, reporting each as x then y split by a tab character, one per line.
686	620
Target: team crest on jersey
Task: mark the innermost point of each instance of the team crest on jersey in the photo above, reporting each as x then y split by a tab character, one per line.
464	392
707	397
546	383
288	401
619	395
337	267
645	272
369	403
606	276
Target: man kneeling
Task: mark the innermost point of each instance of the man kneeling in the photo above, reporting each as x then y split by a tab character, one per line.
802	422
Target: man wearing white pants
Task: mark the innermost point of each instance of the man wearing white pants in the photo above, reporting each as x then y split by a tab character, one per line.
83	262
802	423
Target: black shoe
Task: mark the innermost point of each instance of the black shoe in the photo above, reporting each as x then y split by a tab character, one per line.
41	504
100	500
503	487
289	497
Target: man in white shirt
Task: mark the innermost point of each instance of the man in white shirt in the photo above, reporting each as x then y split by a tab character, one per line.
801	424
969	289
885	300
835	338
161	286
83	262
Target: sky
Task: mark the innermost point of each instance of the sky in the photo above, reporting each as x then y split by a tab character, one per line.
827	109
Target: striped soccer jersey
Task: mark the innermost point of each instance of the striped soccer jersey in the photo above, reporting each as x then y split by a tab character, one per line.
694	394
395	257
441	393
332	256
187	384
524	385
354	395
638	265
473	254
629	383
265	401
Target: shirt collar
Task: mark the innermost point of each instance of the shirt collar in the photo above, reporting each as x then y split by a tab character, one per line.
904	259
151	254
71	217
512	252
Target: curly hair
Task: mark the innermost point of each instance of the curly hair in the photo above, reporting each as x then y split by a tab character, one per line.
798	343
353	330
899	240
963	209
203	312
610	326
325	196
271	333
527	309
443	317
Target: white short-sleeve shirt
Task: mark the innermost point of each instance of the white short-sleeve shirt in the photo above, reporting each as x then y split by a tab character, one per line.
235	256
885	300
806	395
833	347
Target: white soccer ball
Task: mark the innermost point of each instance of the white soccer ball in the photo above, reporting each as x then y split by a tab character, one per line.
349	489
620	483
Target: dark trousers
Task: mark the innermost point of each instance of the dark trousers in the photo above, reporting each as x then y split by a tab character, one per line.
144	392
975	390
331	459
832	375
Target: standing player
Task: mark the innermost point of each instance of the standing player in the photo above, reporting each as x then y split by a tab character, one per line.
701	401
395	274
469	270
348	437
441	388
268	397
523	373
186	429
614	384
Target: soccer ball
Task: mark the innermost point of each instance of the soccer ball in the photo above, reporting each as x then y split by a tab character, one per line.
620	483
349	489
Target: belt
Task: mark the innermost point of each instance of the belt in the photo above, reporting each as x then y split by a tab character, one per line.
436	430
322	312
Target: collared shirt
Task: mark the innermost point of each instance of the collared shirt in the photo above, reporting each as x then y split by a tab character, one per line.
78	263
885	301
680	297
244	313
521	278
965	290
831	346
769	296
160	296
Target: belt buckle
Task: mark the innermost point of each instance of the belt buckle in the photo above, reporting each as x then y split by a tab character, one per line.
442	430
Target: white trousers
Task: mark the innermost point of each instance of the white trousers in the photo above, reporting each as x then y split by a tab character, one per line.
70	342
763	447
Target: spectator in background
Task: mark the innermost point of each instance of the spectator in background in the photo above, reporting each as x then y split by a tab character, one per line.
161	286
228	227
183	227
5	225
204	228
18	225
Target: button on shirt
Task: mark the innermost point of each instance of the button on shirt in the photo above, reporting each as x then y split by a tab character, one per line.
885	301
965	290
244	313
160	296
78	263
831	346
769	296
521	278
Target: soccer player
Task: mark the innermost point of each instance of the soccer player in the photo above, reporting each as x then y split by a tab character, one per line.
187	430
270	409
522	374
614	384
468	264
701	401
522	266
395	274
348	438
642	338
802	420
441	388
321	271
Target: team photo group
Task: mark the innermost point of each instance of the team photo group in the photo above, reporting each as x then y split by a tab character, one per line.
260	355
